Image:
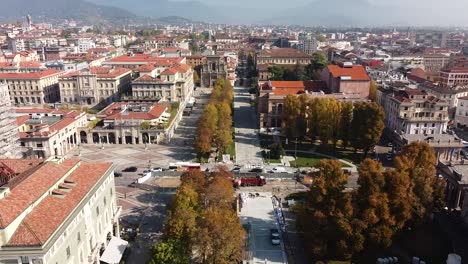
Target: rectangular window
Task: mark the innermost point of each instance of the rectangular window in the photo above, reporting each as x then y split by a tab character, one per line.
68	253
79	237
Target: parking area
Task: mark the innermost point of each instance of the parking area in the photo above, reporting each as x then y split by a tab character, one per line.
258	214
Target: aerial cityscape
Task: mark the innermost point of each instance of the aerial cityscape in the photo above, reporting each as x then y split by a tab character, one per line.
222	132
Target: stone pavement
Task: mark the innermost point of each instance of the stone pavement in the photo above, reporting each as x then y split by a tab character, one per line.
248	151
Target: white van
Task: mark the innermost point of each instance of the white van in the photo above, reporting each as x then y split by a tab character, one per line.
278	170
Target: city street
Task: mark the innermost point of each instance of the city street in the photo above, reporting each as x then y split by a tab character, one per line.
248	151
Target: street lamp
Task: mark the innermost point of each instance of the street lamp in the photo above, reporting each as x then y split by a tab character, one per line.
295	152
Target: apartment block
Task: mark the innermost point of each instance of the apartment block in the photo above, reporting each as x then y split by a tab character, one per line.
33	87
59	211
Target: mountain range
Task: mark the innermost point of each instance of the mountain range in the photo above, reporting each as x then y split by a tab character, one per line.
334	13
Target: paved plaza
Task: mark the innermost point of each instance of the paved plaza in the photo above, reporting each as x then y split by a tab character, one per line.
248	151
258	212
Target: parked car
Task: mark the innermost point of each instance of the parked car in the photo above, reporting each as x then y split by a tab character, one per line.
172	168
256	170
146	171
275	236
117	174
156	169
278	170
130	169
390	144
236	170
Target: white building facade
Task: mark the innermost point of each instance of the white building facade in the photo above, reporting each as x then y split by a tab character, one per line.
71	216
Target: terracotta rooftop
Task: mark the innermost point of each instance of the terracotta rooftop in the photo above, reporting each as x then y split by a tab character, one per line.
294	87
29	75
146	68
24	64
21	119
101	72
144	58
283	53
38	226
356	72
116	111
20	165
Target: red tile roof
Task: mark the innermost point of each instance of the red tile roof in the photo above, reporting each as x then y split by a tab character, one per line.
284	53
30	75
146	68
24	64
52	211
356	72
115	111
144	58
101	72
147	78
28	191
294	87
21	119
20	165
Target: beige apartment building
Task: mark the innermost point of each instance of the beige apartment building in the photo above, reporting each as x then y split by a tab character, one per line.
46	132
174	84
433	63
129	123
59	211
284	57
95	85
415	112
33	87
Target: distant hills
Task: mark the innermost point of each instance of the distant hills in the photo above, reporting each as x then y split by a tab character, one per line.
12	10
346	13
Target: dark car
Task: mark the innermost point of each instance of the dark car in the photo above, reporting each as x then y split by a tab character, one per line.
130	169
256	170
117	174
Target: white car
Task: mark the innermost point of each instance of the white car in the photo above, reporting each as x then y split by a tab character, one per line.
157	169
278	170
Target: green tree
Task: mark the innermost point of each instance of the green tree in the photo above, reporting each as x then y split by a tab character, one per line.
170	252
346	117
277	73
276	151
326	218
145	125
367	125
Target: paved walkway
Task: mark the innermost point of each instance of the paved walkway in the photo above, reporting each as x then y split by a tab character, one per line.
248	151
258	212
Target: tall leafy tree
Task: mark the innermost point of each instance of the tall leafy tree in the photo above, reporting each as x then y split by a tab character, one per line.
220	238
277	73
291	116
346	117
374	205
367	125
418	160
326	219
398	190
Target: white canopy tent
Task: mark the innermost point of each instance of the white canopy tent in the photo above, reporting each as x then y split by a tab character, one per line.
114	251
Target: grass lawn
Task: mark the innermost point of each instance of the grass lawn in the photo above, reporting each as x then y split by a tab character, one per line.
307	160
